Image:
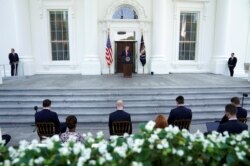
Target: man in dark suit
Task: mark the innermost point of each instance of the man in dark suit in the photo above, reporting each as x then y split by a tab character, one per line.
14	59
241	112
233	126
126	55
180	112
46	115
231	64
119	115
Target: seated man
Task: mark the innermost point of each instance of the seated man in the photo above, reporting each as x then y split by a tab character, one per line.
233	126
241	112
119	115
46	115
180	112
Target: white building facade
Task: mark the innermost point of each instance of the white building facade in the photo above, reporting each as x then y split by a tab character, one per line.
181	36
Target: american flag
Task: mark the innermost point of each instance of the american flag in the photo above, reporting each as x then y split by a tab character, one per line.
109	58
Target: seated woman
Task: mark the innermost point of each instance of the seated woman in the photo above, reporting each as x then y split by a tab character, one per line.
71	122
161	121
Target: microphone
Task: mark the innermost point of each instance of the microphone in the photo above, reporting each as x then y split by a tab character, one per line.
36	108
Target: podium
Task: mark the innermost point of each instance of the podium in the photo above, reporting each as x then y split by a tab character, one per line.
127	67
127	70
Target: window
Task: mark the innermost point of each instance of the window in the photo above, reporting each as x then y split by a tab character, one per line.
188	36
125	13
59	35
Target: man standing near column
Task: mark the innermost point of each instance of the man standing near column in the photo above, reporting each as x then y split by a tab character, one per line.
231	64
14	59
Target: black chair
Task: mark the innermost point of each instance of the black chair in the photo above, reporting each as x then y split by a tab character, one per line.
45	129
121	127
182	124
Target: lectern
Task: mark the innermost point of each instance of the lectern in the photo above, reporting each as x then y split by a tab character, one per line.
127	66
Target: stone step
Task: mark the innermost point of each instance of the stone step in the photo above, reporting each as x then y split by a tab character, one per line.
91	105
38	98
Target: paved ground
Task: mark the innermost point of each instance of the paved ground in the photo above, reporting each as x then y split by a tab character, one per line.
117	81
111	82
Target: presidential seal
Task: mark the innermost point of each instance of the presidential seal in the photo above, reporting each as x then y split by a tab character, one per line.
127	59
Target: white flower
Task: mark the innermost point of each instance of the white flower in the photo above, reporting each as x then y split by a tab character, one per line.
151	146
55	138
92	162
77	148
99	135
108	157
102	148
39	160
31	162
121	150
164	143
81	161
150	126
135	163
159	146
6	163
101	160
153	138
189	158
64	151
180	152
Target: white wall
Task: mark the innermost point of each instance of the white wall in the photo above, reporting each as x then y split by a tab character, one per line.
7	31
239	27
239	41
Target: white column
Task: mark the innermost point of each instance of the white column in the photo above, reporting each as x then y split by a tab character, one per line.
1	77
159	63
91	62
221	39
23	37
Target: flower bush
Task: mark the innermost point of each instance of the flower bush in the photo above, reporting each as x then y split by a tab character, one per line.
150	146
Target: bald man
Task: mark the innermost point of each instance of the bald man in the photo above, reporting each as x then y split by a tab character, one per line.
119	115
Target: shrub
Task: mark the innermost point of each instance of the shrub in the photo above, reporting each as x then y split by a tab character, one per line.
168	146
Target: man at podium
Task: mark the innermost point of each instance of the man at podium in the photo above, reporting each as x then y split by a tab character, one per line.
127	61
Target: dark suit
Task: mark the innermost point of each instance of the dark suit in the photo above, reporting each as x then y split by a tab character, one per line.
231	65
179	113
126	54
14	59
241	113
232	126
7	138
119	115
48	116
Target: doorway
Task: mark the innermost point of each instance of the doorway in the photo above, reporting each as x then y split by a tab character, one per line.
119	47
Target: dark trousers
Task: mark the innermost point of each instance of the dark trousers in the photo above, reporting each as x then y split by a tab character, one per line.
7	138
14	69
231	69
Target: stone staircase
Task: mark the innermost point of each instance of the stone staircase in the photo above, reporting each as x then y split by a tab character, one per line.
94	105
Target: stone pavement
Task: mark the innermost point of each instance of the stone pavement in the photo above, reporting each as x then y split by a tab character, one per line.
117	81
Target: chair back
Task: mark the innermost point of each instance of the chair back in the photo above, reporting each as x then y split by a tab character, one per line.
121	127
243	120
183	123
45	129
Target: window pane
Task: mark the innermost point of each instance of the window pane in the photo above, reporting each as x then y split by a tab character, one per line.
59	35
125	13
187	36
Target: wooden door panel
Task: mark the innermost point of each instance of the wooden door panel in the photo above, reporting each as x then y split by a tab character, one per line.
120	46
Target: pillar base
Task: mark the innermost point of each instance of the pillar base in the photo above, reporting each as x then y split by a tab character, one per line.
220	67
159	66
28	68
91	66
